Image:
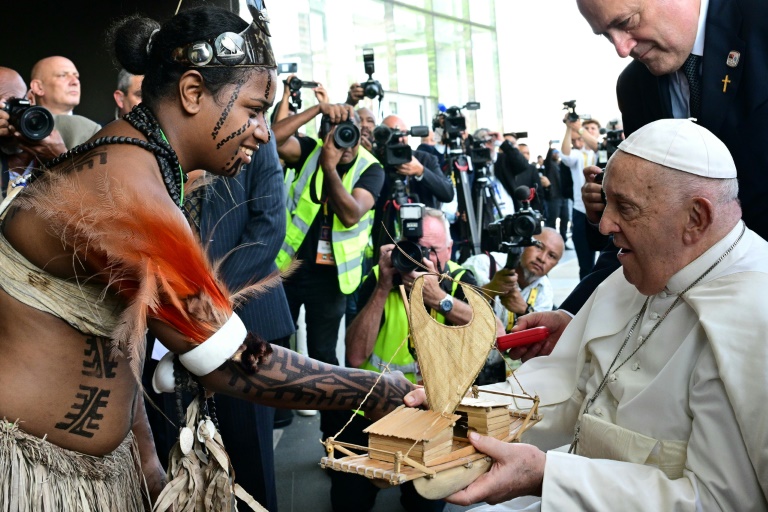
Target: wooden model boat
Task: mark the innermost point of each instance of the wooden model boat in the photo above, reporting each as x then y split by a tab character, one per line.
431	447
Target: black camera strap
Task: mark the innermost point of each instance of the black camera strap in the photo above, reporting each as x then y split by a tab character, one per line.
313	188
492	268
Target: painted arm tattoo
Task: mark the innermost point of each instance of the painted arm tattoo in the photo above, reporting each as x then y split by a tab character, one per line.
288	379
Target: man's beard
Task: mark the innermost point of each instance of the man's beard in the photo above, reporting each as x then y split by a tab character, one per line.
529	275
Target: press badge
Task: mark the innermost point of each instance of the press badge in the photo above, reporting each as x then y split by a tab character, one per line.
324	247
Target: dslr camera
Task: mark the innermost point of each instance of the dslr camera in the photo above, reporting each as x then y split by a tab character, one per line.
514	232
347	135
411	230
371	88
570	106
295	85
35	123
388	148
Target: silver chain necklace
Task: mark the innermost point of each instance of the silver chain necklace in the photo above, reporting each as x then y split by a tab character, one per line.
611	370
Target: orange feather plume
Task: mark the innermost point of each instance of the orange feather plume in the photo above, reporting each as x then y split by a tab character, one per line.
144	252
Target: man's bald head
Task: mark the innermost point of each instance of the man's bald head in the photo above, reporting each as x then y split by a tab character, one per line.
537	260
367	122
12	85
56	84
393	121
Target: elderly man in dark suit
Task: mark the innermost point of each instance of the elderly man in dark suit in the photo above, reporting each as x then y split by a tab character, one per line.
723	87
723	44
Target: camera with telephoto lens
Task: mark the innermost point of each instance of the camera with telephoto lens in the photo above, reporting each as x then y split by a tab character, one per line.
570	106
371	88
514	232
410	253
34	123
347	135
389	149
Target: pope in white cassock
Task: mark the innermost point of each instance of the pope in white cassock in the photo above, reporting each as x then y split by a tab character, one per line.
658	386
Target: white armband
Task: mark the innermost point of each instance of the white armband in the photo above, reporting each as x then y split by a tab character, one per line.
214	351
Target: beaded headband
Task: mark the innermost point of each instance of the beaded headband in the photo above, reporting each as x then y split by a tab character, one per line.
251	47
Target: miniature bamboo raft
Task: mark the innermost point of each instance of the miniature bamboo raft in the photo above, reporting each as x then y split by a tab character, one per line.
430	447
403	469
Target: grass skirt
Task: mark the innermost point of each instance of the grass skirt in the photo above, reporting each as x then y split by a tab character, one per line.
36	475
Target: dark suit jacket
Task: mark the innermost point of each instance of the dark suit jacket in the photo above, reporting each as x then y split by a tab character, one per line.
244	224
513	170
738	116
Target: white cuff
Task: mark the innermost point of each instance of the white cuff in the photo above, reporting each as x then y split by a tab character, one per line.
214	351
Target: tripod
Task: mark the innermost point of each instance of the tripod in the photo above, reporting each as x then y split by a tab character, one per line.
390	217
487	204
460	165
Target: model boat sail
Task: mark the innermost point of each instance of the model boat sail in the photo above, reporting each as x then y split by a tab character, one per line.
430	446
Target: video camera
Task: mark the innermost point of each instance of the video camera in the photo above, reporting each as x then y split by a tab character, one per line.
570	106
388	148
452	121
295	84
514	232
411	230
610	144
35	123
480	153
371	88
347	135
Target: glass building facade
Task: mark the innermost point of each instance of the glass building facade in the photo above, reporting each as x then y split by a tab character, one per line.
426	52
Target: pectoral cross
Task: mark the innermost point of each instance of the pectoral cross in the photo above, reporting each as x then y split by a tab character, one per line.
725	82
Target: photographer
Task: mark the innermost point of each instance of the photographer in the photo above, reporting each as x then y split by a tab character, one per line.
367	125
513	169
330	215
526	288
576	156
379	330
421	179
488	191
287	106
17	152
558	193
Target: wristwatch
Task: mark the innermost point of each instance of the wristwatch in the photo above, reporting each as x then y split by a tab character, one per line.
528	309
446	304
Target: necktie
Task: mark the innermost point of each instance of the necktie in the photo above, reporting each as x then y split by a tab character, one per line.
691	70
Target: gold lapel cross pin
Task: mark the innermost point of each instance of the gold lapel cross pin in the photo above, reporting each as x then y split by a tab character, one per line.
725	81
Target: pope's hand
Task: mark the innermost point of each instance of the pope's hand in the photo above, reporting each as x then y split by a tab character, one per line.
555	321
